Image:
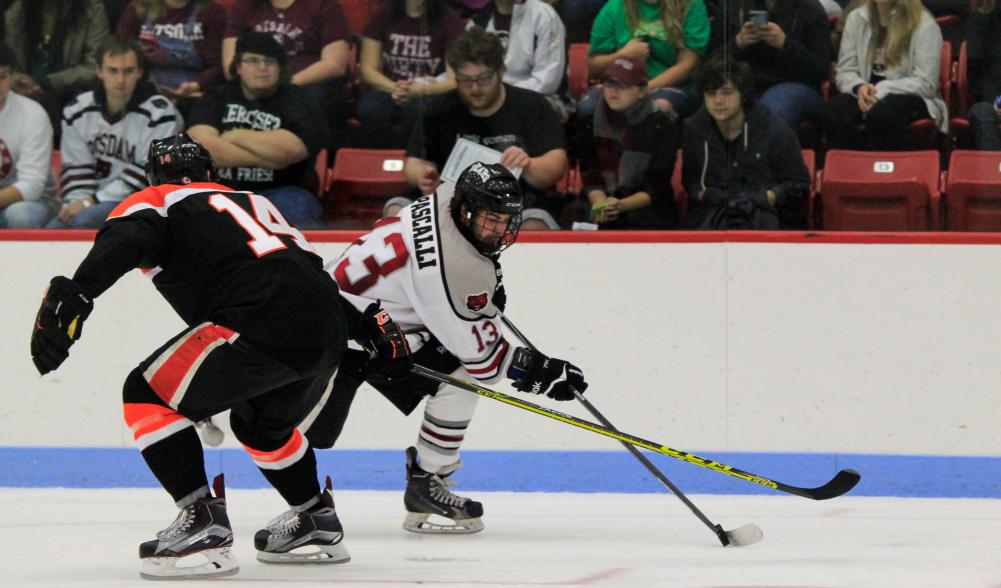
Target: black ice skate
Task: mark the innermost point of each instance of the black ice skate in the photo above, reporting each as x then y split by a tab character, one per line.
313	536
196	545
427	494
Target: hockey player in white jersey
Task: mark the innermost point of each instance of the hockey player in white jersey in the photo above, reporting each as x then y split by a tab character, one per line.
436	269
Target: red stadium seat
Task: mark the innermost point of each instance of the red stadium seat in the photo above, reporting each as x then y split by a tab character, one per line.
363	179
680	196
57	168
577	70
810	160
322	173
880	191
960	131
973	191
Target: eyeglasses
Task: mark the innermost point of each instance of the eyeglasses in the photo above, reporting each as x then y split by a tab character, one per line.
259	61
481	80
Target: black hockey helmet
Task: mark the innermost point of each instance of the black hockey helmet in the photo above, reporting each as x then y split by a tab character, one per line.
178	159
491	187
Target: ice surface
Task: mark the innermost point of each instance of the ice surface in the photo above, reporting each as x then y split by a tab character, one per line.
89	538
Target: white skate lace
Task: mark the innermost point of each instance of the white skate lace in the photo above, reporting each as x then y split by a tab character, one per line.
284	524
439	491
180	524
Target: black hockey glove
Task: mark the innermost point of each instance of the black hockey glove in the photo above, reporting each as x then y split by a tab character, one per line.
59	323
386	344
534	372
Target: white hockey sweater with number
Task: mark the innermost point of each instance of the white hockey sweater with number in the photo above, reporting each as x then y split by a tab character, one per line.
106	158
430	279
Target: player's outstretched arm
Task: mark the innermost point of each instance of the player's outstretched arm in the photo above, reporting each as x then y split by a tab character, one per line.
59	323
538	373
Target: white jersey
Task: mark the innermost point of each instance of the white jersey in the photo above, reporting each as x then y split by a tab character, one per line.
106	159
430	279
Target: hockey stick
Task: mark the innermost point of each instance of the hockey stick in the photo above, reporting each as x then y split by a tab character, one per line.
844	481
749	534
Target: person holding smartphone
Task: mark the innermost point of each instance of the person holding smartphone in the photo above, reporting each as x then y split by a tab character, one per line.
787	45
628	154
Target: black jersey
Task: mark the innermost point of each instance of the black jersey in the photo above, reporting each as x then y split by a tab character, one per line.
221	256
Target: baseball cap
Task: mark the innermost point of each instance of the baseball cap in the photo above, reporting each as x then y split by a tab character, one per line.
261	44
630	72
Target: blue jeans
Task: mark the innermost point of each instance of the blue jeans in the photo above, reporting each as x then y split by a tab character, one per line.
793	102
32	214
298	205
91	217
984	122
384	123
684	101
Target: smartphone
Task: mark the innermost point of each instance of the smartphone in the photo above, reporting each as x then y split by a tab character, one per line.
997	102
758	17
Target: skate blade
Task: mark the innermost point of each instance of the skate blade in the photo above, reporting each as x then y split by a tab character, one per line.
220	563
308	554
420	522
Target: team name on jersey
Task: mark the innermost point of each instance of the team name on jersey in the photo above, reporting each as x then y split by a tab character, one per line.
175	31
257	120
282	28
247	174
110	145
423	230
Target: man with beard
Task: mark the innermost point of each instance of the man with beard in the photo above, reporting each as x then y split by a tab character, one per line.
518	123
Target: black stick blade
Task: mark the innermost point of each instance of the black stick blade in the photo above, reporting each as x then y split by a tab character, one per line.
844	481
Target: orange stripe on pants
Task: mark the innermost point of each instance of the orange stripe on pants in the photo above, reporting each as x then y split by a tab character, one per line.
169	376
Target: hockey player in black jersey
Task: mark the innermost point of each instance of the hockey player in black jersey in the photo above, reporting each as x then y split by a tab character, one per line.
266	330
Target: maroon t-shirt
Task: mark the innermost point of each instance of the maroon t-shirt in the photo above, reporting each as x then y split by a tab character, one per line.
412	49
303	29
204	31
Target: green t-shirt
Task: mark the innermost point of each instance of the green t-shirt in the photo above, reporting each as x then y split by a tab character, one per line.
611	32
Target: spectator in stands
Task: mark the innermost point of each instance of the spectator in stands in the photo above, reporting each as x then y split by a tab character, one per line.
26	187
182	41
669	35
314	35
629	155
888	76
535	41
790	55
106	135
516	122
742	166
264	132
983	50
403	64
55	43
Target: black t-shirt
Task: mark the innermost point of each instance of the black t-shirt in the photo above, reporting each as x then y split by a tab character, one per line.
290	108
525	119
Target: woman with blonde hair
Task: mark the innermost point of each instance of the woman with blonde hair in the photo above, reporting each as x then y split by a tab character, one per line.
669	36
888	76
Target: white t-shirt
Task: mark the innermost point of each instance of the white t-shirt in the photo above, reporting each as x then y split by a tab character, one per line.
26	148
